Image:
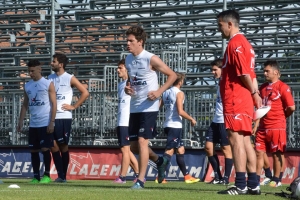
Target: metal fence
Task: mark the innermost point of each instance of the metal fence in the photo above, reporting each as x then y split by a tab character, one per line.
94	122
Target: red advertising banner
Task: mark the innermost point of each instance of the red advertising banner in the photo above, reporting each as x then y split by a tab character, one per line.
291	169
105	164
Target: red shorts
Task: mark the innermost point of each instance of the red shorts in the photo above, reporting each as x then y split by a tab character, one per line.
238	123
270	140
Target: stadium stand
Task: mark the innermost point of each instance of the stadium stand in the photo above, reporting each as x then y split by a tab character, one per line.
92	34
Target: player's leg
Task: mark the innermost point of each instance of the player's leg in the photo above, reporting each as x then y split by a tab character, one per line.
58	136
261	149
64	145
278	142
226	149
34	146
182	166
46	143
123	140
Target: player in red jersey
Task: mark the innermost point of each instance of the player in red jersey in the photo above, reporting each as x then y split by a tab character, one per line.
271	134
239	97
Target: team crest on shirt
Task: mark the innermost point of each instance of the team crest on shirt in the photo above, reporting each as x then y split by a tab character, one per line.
137	81
59	96
36	102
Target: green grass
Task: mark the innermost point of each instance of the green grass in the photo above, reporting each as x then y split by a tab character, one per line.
86	189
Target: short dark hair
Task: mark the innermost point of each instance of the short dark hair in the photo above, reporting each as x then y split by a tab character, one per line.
180	77
228	15
273	63
138	32
33	63
61	58
218	62
121	62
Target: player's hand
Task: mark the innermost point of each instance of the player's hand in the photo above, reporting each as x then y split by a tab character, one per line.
193	122
153	95
128	89
254	129
257	100
19	127
50	128
67	107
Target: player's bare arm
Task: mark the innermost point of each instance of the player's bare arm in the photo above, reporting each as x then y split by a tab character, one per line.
181	112
52	98
23	112
157	64
246	79
83	95
289	111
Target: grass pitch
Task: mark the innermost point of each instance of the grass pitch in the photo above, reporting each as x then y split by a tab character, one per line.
103	190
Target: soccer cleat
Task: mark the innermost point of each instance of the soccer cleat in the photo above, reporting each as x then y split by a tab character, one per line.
137	186
60	180
255	191
234	191
45	179
34	181
118	180
189	179
274	184
137	179
161	170
266	181
164	181
215	181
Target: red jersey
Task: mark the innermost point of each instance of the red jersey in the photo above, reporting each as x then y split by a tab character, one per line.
279	96
239	59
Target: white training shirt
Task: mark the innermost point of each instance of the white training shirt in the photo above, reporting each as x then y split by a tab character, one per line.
123	105
64	94
142	80
38	102
219	116
172	117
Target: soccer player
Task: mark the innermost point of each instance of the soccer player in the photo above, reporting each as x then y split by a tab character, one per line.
40	98
217	134
239	97
173	100
122	130
142	85
271	134
64	82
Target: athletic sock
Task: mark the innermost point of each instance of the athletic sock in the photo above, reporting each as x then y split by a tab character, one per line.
159	161
35	162
65	161
276	179
58	164
181	163
240	180
252	180
268	172
47	162
214	165
228	167
280	176
218	168
167	156
123	178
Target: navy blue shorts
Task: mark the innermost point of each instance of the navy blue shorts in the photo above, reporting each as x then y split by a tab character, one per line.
123	136
39	138
174	139
62	130
142	125
217	134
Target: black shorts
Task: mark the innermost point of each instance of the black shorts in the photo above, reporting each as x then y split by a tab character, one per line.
142	125
39	138
217	134
62	130
123	136
174	139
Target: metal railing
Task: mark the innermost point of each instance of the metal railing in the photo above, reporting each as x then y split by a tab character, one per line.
94	123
